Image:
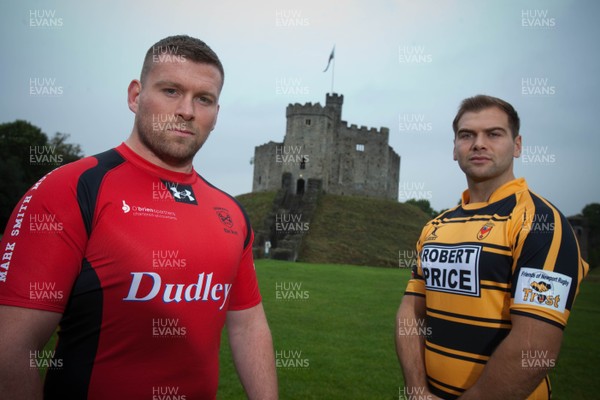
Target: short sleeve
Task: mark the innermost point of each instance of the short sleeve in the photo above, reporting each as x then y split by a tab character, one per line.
244	292
549	267
43	244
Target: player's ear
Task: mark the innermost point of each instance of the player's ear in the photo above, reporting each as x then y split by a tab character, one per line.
518	147
454	150
133	94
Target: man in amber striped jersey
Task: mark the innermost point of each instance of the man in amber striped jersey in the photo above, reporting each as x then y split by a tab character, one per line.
496	276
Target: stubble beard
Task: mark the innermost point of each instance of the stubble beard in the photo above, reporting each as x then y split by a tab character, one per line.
169	148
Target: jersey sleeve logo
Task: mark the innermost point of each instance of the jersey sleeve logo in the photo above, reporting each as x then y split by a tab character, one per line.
542	288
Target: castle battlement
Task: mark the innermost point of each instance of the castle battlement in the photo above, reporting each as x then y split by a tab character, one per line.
365	130
308	109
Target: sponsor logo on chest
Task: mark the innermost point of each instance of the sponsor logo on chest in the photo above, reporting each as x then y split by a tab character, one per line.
451	269
202	290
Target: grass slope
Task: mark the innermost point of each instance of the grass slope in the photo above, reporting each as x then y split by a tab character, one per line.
351	230
345	329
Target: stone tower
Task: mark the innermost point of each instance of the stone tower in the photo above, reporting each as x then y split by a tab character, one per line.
318	145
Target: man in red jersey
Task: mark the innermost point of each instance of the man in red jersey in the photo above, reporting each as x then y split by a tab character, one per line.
136	258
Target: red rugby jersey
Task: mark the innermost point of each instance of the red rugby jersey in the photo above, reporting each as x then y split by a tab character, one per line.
142	262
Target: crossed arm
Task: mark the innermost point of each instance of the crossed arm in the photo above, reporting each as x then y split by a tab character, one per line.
503	376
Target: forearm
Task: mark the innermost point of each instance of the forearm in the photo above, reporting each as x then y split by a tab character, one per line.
410	345
254	359
517	366
18	380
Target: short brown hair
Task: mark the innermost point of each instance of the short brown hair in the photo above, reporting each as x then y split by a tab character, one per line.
480	102
185	47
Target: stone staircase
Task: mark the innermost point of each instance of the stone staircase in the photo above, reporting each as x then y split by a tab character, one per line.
288	222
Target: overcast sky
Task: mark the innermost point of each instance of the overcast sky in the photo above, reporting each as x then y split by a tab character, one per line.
402	64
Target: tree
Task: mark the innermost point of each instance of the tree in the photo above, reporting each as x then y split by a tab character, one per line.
424	205
26	154
592	213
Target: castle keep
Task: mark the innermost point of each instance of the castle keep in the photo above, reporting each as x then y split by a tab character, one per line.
340	158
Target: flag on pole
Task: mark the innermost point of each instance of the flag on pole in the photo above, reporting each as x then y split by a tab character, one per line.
330	58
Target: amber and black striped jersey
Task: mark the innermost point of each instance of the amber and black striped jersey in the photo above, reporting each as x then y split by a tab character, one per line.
481	262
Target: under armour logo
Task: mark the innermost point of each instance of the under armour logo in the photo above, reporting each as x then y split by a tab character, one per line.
178	194
181	193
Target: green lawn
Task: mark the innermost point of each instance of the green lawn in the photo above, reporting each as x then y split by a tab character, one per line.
341	334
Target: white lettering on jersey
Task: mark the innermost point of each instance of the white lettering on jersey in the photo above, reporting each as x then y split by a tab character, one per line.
452	269
547	289
202	290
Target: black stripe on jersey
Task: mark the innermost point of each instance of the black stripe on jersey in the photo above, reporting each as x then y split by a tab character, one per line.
501	208
490	287
441	394
77	339
469	317
495	267
89	185
490	245
464	337
538	241
456	356
535	316
414	294
248	225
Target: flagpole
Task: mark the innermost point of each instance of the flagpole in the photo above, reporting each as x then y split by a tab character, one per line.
332	73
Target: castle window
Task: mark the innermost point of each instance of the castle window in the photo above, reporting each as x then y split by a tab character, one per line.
360	147
307	121
303	163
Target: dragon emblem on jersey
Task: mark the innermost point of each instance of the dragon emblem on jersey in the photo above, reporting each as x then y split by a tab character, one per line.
485	231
